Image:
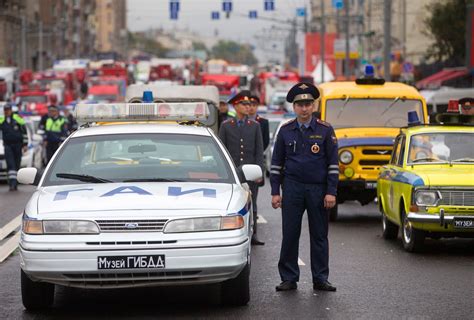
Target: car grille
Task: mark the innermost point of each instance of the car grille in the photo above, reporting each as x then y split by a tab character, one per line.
379	152
457	198
112	279
131	225
373	162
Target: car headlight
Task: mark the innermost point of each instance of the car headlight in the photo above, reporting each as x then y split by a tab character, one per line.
59	227
427	198
346	157
204	224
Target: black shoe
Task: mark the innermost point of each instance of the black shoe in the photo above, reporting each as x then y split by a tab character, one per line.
256	242
12	188
324	286
286	286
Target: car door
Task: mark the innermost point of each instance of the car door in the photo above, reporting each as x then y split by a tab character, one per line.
387	181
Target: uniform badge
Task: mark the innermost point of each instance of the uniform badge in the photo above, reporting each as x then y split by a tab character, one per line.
315	148
334	139
303	86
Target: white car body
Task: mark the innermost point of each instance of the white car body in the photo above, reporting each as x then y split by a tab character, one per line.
121	210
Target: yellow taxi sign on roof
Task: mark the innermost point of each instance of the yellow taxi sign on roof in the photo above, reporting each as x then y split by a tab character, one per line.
120	112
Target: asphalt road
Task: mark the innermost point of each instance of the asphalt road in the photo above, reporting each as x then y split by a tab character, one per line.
375	279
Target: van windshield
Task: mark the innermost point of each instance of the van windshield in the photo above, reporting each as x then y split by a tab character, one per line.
393	113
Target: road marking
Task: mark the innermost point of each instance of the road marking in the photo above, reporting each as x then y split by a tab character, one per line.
300	262
10	227
9	246
261	219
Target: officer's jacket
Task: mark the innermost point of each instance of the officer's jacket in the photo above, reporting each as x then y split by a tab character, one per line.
13	130
265	127
56	129
243	143
309	157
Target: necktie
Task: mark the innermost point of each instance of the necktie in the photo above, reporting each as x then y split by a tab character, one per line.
240	123
303	128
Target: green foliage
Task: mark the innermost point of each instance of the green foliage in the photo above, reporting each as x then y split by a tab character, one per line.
146	44
233	52
199	46
446	24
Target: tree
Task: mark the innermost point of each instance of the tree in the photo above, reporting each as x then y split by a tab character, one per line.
446	24
146	44
234	52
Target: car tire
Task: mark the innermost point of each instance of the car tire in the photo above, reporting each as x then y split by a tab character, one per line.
389	229
36	295
333	212
413	239
236	292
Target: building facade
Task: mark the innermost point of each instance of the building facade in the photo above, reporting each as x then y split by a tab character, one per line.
111	26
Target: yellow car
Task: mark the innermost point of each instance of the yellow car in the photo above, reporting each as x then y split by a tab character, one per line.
427	189
366	115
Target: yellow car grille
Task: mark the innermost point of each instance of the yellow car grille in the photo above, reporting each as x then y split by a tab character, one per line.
456	198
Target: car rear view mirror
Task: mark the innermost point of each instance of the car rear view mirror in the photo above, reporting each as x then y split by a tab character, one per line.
142	148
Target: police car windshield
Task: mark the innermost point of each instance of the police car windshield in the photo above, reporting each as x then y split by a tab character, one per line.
141	157
370	112
441	147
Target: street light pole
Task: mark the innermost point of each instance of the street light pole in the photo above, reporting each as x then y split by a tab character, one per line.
387	38
40	45
346	27
323	43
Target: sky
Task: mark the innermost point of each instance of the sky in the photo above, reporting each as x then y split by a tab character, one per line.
195	15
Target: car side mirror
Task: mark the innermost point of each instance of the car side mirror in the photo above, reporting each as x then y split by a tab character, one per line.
251	172
27	175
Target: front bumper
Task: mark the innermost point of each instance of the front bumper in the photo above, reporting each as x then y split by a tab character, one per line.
438	222
203	263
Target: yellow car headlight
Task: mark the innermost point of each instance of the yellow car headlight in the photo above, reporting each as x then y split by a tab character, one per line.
346	157
32	226
349	172
427	198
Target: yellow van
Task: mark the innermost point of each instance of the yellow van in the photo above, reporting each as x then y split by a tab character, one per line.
366	115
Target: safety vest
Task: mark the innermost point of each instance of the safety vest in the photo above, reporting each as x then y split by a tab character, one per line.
55	125
15	117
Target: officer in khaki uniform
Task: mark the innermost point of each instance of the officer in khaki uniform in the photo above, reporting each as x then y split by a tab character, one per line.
243	139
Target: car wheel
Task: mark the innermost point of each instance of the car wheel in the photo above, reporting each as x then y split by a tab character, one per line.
333	212
412	238
389	229
36	295
236	292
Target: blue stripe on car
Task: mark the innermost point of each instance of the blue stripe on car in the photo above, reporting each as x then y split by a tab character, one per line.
351	142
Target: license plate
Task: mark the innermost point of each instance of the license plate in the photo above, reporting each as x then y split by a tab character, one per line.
460	223
371	185
131	262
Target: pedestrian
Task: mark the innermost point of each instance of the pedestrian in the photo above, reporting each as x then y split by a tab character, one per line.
223	112
15	141
55	130
71	120
264	125
305	166
243	139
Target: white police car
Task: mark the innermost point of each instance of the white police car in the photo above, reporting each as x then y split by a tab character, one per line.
148	203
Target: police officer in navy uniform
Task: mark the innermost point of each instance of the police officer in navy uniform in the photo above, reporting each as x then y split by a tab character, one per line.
243	139
264	124
15	140
305	166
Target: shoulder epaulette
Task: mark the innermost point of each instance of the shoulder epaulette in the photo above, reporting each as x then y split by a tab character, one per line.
288	122
231	121
324	123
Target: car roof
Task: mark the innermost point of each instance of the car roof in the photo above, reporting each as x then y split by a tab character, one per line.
436	128
335	90
133	128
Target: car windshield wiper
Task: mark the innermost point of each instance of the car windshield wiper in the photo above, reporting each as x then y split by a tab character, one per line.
428	160
463	160
391	105
81	177
153	180
343	106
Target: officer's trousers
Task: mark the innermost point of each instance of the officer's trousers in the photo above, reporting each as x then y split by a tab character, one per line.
51	148
296	198
254	188
13	154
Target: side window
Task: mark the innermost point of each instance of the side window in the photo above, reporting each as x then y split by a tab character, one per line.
396	151
402	152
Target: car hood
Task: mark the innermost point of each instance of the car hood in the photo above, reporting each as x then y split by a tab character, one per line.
134	196
348	137
445	175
